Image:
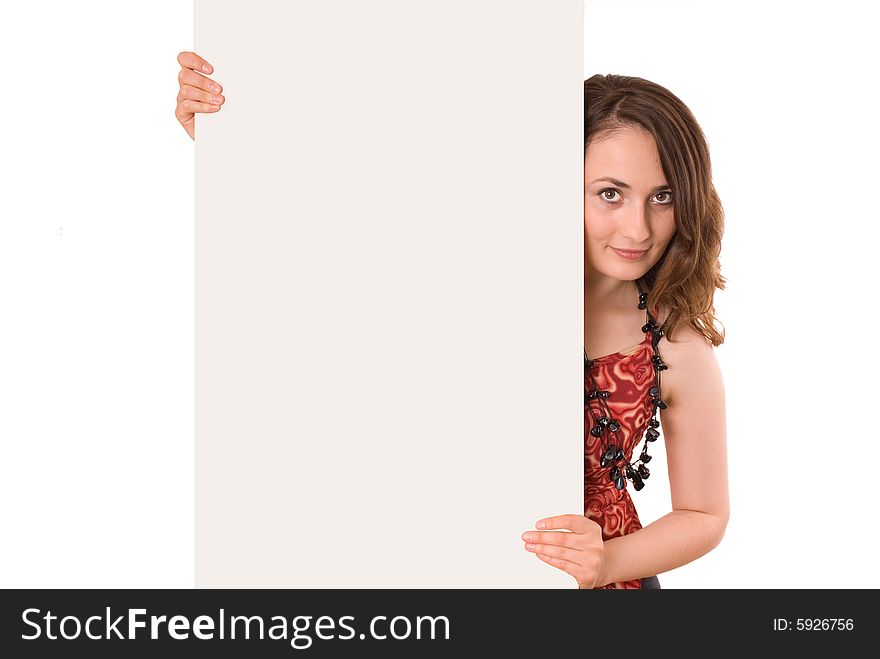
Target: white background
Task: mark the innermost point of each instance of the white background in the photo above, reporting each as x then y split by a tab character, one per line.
96	313
96	300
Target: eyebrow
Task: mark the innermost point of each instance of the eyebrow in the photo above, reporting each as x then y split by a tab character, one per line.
621	184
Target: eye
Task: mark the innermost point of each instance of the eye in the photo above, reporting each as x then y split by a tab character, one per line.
602	195
667	196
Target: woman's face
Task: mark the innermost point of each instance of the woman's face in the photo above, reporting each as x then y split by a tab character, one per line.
634	211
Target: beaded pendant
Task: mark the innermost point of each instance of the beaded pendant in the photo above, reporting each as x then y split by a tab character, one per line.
607	427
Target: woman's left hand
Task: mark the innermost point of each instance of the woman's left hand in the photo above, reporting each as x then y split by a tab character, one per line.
581	553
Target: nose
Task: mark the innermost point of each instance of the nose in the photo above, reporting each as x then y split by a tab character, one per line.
635	225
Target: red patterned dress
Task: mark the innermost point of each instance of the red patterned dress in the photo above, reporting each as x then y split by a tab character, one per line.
628	376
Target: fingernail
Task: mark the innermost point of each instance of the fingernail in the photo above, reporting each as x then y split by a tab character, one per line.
217	99
206	68
540	525
216	88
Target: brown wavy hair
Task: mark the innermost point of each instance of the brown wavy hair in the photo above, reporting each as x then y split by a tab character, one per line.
684	280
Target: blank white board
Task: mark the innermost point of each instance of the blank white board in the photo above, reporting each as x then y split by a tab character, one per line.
389	286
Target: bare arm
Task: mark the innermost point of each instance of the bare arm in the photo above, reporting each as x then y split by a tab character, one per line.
694	429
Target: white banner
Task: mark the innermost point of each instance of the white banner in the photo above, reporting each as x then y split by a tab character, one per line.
389	285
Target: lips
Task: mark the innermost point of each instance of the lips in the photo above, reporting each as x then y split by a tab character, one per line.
632	255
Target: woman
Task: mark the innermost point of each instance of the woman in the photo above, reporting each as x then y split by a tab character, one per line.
647	189
652	235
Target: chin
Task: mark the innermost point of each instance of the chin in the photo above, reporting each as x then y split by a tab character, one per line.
626	272
616	268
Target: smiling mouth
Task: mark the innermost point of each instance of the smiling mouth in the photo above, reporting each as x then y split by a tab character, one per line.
631	253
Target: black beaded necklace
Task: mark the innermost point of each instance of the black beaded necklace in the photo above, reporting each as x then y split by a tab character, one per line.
606	425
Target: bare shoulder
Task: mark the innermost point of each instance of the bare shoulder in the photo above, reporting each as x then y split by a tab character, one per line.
687	344
693	369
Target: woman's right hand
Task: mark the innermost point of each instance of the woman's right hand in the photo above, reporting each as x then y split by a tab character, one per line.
198	93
